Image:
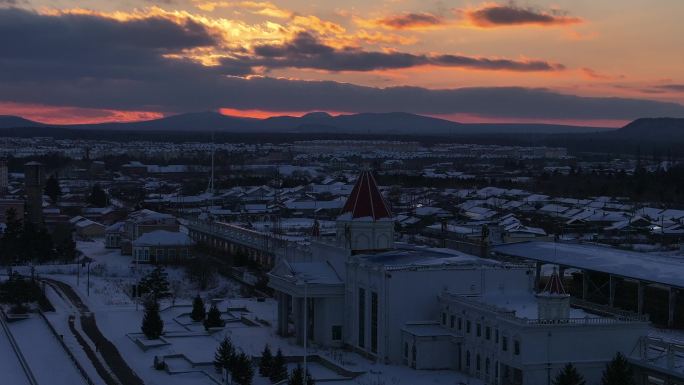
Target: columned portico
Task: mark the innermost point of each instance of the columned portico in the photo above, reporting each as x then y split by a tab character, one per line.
295	286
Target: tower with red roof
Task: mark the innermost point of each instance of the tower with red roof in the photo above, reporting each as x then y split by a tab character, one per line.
553	302
365	223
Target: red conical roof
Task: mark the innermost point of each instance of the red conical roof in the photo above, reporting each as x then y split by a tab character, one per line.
365	200
555	284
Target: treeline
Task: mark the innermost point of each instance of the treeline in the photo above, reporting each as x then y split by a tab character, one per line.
23	241
662	186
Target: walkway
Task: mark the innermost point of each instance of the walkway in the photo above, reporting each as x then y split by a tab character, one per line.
117	371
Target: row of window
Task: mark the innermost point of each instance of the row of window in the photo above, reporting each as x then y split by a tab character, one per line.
478	364
144	254
457	323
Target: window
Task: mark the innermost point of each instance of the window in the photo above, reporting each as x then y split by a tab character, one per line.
516	347
496	369
467	358
406	349
374	322
496	336
460	323
468	326
504	343
487	366
477	363
172	253
479	330
488	333
160	253
451	321
337	332
443	318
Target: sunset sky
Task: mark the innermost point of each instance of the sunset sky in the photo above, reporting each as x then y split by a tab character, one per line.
571	61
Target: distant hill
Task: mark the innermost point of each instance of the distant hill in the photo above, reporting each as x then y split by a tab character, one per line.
9	121
661	129
392	123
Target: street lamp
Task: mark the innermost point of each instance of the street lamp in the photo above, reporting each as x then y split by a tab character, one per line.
306	324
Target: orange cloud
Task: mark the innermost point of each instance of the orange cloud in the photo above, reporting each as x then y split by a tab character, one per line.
73	115
496	15
405	21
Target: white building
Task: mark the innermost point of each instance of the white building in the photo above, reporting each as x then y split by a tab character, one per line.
435	308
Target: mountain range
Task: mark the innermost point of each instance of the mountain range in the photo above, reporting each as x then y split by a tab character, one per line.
394	123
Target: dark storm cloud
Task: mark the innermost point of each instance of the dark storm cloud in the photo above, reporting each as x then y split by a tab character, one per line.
502	15
672	87
305	51
92	62
410	21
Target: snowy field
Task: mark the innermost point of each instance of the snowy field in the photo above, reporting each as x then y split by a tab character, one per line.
45	356
10	367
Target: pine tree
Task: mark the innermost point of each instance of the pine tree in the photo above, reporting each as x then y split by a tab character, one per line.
296	377
198	312
152	324
156	284
225	354
569	376
243	372
618	372
52	189
98	197
213	318
278	368
266	362
10	247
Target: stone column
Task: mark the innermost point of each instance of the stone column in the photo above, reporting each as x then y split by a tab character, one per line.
640	298
672	305
537	277
612	282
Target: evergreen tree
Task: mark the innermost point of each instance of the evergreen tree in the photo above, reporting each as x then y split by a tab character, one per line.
152	324
98	197
569	376
155	284
10	247
278	368
296	377
52	188
224	356
198	312
618	372
266	362
213	318
243	372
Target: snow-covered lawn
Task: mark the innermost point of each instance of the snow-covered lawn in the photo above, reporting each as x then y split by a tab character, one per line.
45	356
119	319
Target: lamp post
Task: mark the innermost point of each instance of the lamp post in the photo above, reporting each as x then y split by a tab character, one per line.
306	323
306	327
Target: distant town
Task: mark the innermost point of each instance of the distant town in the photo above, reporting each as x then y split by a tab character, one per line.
353	261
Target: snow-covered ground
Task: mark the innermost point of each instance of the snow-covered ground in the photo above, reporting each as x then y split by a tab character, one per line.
10	367
47	359
119	319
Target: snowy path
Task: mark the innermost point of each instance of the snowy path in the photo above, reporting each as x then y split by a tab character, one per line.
46	357
107	351
10	367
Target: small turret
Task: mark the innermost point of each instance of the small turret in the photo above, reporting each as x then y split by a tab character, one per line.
365	223
553	302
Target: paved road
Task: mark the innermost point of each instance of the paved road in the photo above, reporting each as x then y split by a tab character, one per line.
119	372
